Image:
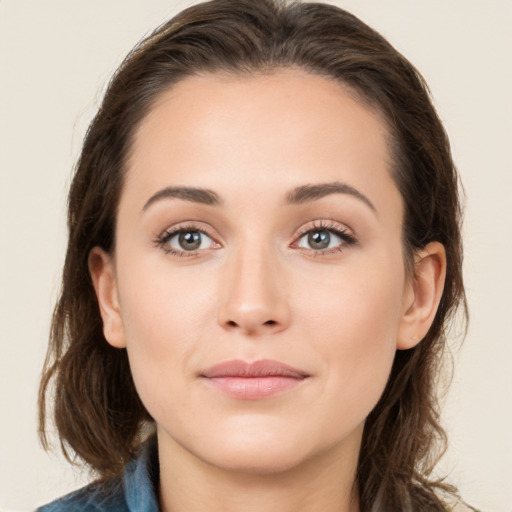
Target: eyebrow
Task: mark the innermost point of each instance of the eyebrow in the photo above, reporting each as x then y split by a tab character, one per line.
194	194
314	192
299	195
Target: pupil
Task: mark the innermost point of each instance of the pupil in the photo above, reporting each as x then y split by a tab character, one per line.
190	240
319	239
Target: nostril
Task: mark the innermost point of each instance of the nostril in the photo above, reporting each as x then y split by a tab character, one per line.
232	324
270	322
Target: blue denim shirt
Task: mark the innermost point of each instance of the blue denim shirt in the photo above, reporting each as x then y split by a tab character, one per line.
135	492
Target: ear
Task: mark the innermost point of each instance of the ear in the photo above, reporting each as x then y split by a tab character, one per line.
422	295
101	268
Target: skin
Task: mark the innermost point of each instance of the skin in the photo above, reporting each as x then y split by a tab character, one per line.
257	289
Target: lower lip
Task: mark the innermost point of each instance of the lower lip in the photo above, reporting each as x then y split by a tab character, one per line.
254	388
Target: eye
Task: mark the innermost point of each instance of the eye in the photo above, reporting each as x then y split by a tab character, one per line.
319	240
185	241
190	240
325	239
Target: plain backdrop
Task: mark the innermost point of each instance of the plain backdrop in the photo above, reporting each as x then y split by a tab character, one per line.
55	59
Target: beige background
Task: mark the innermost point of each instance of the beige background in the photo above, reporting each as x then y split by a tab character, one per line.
55	58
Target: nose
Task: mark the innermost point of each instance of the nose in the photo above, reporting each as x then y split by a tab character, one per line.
253	295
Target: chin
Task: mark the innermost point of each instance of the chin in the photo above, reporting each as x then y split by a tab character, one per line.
256	461
240	446
257	450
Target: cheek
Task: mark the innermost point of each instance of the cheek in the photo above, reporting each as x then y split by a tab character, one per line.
162	306
359	305
353	322
163	318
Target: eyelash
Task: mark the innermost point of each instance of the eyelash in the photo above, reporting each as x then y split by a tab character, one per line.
343	233
163	240
348	239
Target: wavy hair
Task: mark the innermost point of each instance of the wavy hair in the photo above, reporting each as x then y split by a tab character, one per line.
83	374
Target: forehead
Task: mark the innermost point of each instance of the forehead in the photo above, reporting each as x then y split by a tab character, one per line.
277	130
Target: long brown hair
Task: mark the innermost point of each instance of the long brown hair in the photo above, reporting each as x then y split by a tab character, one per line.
97	411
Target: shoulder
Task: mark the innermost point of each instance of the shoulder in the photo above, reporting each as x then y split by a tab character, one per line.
135	489
96	497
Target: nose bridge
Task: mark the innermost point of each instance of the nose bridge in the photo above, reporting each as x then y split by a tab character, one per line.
253	292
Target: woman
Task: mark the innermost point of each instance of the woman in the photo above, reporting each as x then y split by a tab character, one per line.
264	256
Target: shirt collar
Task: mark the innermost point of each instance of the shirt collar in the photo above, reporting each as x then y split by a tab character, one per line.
141	478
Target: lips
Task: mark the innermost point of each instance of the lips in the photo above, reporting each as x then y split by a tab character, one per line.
253	381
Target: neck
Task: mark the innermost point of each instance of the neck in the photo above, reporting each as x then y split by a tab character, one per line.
325	482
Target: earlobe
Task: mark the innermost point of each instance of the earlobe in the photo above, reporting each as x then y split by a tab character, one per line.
423	295
101	268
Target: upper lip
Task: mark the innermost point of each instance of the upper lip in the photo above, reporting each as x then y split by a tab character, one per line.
261	368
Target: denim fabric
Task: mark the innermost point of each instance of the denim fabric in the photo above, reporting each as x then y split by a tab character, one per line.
134	492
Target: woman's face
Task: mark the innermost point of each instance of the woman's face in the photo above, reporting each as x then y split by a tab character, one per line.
258	223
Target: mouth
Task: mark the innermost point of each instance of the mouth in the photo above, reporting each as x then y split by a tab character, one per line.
253	381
